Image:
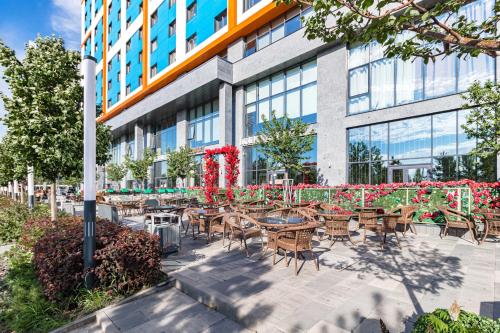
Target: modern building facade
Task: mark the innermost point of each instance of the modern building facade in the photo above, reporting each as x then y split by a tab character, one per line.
202	73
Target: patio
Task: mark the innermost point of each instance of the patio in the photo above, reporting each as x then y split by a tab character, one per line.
354	287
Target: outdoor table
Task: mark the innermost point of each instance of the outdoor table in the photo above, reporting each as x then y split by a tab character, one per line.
206	215
279	222
367	209
257	211
163	208
491	225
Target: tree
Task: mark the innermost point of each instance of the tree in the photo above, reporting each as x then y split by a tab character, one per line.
285	142
140	168
432	31
180	164
483	121
116	172
10	167
44	114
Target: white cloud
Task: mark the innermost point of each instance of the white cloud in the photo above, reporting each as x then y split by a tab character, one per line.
65	20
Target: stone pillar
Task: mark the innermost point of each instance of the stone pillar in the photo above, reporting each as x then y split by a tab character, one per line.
225	124
239	129
181	128
332	101
138	140
123	153
236	50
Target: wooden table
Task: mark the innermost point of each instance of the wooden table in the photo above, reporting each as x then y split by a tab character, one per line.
491	221
257	211
206	215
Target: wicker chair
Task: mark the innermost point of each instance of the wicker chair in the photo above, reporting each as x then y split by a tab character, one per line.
369	221
406	219
193	220
242	227
491	219
217	224
297	240
338	227
457	220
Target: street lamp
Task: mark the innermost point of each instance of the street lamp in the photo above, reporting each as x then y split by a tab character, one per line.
89	172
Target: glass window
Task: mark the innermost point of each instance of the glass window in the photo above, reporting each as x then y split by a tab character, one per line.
440	78
277	33
382	84
264	88
251	119
293	104
263	41
465	145
444	134
278	83
251	93
358	81
410	138
359	104
309	100
309	72
203	124
278	106
263	110
379	147
358	56
479	69
409	81
358	144
293	78
292	25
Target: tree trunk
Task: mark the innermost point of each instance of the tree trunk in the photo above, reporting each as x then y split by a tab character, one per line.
53	203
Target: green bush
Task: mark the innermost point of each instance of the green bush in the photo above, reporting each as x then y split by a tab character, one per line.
14	216
23	307
440	321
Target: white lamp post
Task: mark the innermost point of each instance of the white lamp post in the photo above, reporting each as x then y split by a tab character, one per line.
31	188
89	164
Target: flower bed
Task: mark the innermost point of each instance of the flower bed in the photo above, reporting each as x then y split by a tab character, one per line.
464	195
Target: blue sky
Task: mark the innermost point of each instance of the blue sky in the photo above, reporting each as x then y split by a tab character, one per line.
22	20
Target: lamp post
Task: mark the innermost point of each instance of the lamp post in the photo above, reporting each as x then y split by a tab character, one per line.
89	172
31	188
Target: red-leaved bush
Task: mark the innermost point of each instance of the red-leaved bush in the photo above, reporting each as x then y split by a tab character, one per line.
126	260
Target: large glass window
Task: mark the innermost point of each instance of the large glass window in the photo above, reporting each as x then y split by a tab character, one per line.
203	128
257	167
428	147
166	135
376	82
292	92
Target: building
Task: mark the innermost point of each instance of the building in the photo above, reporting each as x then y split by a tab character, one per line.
203	72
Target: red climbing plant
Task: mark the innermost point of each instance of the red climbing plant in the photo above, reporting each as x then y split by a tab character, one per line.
231	167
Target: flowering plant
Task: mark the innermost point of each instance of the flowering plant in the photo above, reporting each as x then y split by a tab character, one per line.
232	161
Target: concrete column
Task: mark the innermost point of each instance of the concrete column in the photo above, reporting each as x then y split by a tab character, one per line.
236	50
332	101
16	189
239	128
225	123
181	128
123	152
138	140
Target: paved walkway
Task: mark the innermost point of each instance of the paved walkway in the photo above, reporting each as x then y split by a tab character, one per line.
355	287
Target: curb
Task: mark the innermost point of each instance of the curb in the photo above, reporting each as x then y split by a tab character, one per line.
100	317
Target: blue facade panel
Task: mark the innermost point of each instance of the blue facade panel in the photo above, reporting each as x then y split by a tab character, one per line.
134	62
114	22
203	23
98	90
98	39
113	77
88	14
98	5
88	47
159	31
134	10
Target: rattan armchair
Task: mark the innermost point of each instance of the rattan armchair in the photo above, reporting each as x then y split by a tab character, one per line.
337	226
369	221
491	220
217	224
457	220
242	227
297	240
193	220
406	219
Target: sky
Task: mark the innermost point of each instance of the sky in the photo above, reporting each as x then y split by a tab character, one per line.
22	20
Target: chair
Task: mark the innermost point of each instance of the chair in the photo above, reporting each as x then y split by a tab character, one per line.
369	221
243	227
457	220
217	224
193	220
297	240
491	219
337	226
406	219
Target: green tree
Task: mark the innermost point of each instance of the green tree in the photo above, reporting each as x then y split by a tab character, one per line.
483	121
10	167
44	113
116	172
180	164
140	167
432	31
285	142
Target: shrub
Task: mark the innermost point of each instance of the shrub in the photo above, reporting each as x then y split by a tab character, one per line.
35	228
126	260
130	261
440	321
14	216
23	307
